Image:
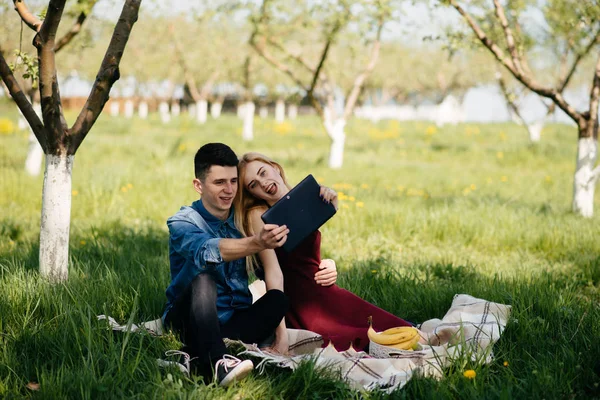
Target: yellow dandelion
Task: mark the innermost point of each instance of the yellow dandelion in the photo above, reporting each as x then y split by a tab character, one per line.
505	363
503	136
74	192
351	198
345	206
548	178
374	271
129	186
82	242
360	204
504	179
431	130
466	192
124	189
473	186
500	155
364	186
320	179
182	147
400	188
470	374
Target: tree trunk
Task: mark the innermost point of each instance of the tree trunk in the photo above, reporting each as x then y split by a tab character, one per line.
143	110
114	109
248	130
263	112
535	131
175	109
584	182
128	109
163	109
201	111
279	111
292	111
35	154
56	218
215	109
240	110
335	129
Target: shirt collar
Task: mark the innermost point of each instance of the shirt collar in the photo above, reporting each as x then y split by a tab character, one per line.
211	219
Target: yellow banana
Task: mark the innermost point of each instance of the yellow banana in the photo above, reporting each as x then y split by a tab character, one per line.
404	338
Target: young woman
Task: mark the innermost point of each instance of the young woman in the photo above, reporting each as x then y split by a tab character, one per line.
335	313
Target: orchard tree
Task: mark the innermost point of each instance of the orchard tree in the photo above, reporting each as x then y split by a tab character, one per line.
577	22
59	141
279	28
79	12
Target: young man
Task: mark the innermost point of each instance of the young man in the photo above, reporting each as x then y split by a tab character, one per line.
208	298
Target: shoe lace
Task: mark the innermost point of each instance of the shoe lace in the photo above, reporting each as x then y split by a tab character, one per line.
186	356
228	361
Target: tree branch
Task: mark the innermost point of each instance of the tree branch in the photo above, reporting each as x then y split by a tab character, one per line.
30	20
44	41
260	49
510	41
187	75
22	102
208	84
552	94
74	31
594	98
108	74
360	79
564	81
289	55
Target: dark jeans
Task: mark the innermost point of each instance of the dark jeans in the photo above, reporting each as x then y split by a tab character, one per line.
194	317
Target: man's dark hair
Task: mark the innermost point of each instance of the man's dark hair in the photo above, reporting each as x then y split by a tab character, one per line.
213	154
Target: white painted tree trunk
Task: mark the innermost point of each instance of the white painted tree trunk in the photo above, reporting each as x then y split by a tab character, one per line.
163	110
192	110
56	218
292	111
114	109
215	109
279	111
584	183
175	109
143	110
535	131
240	110
248	130
335	129
263	112
35	154
128	111
201	111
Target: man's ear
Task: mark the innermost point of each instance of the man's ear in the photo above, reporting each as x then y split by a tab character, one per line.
197	185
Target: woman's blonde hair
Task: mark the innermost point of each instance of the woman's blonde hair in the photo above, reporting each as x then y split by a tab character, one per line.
245	202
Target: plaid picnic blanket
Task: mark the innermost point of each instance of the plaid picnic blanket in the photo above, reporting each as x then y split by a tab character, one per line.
468	330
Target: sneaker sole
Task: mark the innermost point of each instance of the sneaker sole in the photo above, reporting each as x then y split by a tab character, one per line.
167	364
241	371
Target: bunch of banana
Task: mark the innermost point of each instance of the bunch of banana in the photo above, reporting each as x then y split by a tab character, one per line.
402	338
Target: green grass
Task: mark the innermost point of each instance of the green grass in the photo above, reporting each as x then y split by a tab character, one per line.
428	213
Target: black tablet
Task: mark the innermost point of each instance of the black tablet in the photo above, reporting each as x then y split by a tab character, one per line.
302	210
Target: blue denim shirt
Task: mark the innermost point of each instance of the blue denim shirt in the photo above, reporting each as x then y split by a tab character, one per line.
194	236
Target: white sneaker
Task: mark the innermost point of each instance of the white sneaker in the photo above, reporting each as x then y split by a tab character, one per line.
230	369
181	360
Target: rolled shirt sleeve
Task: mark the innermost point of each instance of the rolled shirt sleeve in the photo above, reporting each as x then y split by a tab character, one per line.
193	243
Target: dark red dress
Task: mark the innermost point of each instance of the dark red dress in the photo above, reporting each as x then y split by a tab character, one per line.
335	313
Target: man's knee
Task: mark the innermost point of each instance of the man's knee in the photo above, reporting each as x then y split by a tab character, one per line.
279	299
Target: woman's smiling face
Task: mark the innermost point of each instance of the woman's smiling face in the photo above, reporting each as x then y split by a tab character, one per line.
264	181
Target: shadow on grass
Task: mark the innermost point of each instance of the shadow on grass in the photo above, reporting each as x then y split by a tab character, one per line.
50	334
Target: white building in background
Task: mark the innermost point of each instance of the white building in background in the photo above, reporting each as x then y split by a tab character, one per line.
480	104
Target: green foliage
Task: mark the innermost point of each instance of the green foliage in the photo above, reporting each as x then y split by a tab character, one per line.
29	64
426	213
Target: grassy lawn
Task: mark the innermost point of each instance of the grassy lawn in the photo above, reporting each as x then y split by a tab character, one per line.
426	213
